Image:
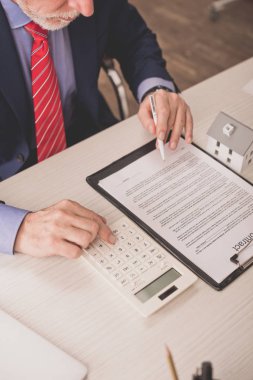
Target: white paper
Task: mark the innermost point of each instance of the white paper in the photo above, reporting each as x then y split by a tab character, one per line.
200	207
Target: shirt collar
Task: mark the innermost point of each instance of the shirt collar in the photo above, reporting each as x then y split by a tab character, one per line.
15	15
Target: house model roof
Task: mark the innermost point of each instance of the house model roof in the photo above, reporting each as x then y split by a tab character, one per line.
232	133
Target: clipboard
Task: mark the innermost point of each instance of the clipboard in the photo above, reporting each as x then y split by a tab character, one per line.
94	181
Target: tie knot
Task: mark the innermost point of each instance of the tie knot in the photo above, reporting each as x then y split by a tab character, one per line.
36	31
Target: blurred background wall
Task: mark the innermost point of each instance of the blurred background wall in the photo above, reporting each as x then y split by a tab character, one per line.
194	46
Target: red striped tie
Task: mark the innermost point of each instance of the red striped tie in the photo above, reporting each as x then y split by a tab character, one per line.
49	123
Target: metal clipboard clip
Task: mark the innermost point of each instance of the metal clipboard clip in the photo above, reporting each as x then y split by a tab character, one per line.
236	257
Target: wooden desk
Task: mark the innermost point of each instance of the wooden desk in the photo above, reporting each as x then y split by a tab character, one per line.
72	306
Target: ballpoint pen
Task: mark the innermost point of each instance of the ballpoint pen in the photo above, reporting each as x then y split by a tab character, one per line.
171	364
154	114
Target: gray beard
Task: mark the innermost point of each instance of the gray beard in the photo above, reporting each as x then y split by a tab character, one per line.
49	22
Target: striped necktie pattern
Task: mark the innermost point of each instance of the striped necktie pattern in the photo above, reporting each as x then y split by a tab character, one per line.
48	115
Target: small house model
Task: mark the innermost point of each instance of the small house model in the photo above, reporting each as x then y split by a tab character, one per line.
231	142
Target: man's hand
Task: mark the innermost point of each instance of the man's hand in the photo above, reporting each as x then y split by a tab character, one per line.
172	114
63	229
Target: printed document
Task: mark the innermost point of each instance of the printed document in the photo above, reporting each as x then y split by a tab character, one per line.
200	207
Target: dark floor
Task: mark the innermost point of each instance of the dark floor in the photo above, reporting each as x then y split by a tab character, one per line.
195	47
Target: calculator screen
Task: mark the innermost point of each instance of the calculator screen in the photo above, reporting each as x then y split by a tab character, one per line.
158	284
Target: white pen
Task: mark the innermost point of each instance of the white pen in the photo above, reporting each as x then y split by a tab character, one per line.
154	114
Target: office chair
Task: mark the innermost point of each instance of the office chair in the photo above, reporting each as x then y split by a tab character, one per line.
216	7
110	69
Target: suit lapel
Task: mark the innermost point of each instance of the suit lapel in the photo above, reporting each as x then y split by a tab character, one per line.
12	82
84	49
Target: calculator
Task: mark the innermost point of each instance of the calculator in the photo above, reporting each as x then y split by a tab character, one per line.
146	274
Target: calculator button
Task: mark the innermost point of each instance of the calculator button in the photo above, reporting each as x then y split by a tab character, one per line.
125	269
124	225
160	256
153	250
151	262
138	237
132	275
123	281
144	256
96	257
127	256
102	261
109	268
136	283
131	231
121	237
165	265
135	250
117	275
110	255
135	262
119	249
115	231
141	268
102	247
92	251
118	262
145	244
129	243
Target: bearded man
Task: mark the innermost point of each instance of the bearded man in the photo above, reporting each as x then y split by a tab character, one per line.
51	55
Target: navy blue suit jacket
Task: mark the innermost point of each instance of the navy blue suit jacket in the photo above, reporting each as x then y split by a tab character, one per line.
115	29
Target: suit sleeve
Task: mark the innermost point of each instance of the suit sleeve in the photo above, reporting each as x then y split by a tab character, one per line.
10	220
133	44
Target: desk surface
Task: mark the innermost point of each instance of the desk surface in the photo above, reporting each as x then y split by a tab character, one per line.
73	307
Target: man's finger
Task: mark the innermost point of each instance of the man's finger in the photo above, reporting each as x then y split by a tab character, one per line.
83	225
179	125
163	113
173	101
81	238
94	229
106	234
88	220
145	116
79	210
69	250
188	126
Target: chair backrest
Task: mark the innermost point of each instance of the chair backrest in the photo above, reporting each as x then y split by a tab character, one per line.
118	86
